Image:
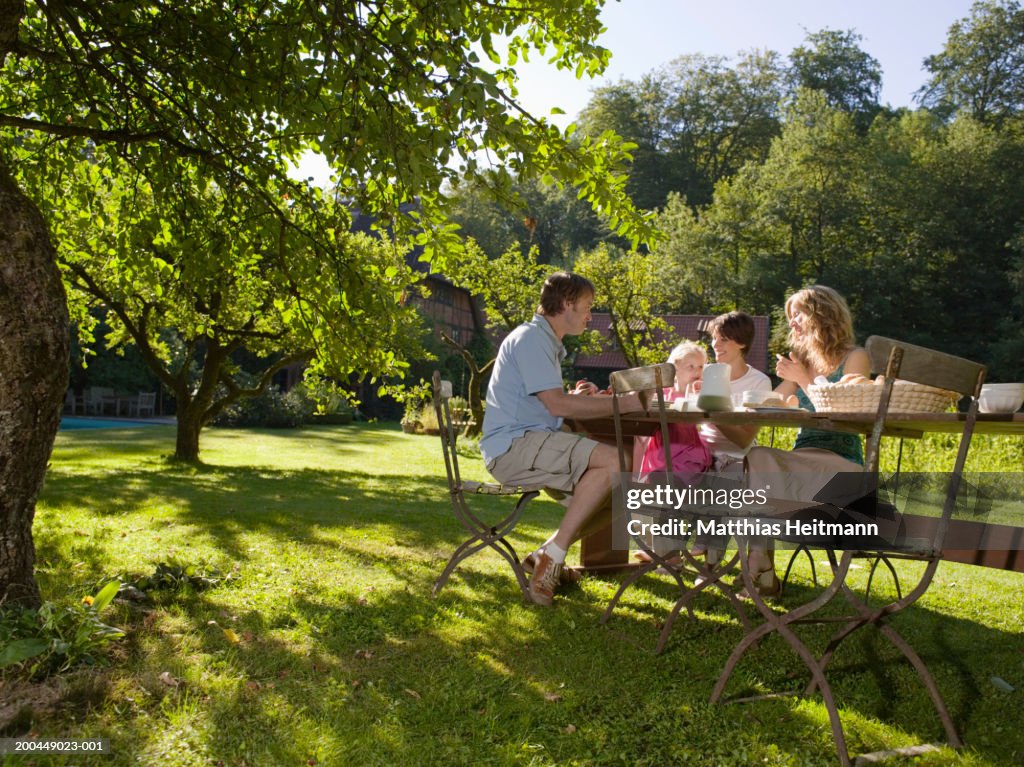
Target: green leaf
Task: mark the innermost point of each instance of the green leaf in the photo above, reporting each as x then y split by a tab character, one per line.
105	595
22	649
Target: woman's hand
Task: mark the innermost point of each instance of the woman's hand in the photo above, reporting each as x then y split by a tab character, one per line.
788	369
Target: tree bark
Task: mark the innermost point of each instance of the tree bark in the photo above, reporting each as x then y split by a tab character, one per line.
190	424
477	379
33	379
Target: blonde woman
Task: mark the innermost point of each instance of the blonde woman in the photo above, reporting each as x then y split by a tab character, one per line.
821	343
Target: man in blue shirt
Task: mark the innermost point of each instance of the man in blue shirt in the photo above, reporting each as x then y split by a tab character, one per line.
523	442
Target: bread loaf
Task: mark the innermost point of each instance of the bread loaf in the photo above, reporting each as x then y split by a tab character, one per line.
854	378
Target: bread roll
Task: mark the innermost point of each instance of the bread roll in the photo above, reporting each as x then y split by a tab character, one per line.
854	378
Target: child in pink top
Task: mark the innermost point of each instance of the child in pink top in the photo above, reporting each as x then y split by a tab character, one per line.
689	454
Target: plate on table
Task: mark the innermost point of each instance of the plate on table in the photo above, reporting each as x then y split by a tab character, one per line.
777	409
684	405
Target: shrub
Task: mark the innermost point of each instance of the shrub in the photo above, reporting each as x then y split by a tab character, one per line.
427	418
55	638
460	409
271	409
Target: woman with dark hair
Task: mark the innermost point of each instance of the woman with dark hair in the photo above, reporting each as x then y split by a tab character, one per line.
732	335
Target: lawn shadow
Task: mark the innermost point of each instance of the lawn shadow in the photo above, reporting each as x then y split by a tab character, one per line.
870	678
311	507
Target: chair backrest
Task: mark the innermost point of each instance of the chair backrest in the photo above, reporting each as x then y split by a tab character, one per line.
95	394
442	394
927	366
919	364
649	382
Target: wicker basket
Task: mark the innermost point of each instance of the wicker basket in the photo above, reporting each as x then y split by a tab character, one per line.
906	397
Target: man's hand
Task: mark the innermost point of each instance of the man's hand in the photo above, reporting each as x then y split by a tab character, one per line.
585	388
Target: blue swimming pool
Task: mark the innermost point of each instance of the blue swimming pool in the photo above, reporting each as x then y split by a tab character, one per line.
69	423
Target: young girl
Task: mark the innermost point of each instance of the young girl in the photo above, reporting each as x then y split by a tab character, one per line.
821	344
689	454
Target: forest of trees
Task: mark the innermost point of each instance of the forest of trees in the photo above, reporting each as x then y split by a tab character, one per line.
768	173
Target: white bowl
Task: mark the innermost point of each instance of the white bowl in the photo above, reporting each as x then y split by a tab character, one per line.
1001	398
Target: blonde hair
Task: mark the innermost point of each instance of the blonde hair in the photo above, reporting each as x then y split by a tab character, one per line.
828	328
685	348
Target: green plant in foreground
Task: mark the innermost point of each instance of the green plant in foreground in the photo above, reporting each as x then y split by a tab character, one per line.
175	575
55	638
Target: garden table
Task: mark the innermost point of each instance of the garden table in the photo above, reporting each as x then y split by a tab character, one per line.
963	540
598	554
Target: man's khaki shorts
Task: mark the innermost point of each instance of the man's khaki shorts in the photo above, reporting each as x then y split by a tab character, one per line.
555	459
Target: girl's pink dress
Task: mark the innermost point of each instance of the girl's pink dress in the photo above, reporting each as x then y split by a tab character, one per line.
689	454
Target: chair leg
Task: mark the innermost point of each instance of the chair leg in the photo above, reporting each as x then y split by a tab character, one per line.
633	577
465	549
929	682
655	561
712	575
892	571
878	617
484	536
780	624
792	559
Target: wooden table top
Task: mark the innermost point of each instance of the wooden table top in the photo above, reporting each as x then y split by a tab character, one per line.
896	424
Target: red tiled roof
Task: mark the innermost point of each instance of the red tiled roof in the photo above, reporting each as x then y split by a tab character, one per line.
689	326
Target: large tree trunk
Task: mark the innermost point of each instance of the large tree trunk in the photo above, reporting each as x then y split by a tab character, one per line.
33	379
190	424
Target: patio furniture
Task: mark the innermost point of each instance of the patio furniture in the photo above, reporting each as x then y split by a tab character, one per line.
650	382
911	398
72	402
143	404
919	365
98	398
482	533
598	554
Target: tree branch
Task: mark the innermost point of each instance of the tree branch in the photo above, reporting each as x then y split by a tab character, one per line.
236	392
99	135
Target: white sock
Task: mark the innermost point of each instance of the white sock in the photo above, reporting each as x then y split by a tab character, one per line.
556	553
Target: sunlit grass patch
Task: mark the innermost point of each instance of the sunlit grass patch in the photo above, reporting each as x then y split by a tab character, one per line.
326	646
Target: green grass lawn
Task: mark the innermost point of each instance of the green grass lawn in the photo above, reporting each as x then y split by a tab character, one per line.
325	646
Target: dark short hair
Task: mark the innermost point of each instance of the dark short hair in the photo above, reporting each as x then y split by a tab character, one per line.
561	287
734	326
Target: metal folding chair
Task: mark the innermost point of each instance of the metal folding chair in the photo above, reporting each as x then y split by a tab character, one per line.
878	349
482	534
650	382
919	365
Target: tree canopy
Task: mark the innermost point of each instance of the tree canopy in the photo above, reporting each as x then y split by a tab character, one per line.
400	96
833	63
980	71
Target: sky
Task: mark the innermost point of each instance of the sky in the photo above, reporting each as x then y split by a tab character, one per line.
644	35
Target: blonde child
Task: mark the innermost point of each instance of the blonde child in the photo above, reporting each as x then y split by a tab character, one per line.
689	454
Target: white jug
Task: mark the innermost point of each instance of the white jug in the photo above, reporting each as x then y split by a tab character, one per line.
715	391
